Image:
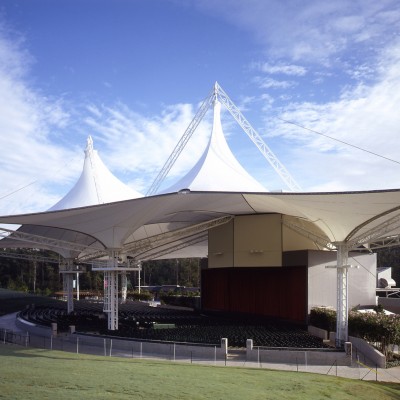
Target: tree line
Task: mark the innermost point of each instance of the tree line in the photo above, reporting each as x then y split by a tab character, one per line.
42	277
27	270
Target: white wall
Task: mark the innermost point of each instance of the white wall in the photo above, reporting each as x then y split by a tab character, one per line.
322	285
385	273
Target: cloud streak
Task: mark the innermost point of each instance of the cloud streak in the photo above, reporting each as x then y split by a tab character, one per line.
138	146
30	158
311	31
365	116
330	67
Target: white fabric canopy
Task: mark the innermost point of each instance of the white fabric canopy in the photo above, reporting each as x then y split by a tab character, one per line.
337	216
217	169
96	185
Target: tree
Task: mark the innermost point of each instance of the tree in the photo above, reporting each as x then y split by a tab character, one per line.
183	272
390	257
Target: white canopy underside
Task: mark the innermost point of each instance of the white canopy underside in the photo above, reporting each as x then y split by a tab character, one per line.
335	216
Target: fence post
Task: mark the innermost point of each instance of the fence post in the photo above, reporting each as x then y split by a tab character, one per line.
110	347
77	345
305	359
174	351
141	350
4	337
215	355
51	342
105	348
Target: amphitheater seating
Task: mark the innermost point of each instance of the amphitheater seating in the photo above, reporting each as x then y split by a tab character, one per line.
136	320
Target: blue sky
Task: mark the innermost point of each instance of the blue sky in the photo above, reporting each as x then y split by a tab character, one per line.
132	74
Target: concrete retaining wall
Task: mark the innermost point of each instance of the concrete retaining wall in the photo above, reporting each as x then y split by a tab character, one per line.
173	350
298	356
124	346
370	352
361	346
33	329
318	332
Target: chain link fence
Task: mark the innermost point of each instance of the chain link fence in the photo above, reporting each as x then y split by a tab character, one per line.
358	367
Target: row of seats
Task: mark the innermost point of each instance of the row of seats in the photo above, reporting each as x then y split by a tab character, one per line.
136	320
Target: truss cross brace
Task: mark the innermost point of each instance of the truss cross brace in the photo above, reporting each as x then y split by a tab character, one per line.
111	291
342	295
342	309
124	286
68	278
219	94
257	140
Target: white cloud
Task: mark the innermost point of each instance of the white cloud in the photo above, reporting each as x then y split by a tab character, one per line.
361	72
269	83
30	160
364	116
285	69
15	61
37	151
138	146
312	31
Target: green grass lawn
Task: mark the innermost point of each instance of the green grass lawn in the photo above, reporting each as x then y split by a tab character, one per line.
42	374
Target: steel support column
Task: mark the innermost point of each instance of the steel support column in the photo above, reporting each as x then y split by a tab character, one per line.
124	286
111	291
77	286
342	309
68	290
111	299
68	286
139	275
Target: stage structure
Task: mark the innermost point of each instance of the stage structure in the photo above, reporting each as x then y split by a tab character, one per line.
112	269
96	185
217	151
187	221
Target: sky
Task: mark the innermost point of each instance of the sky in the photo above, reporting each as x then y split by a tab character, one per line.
319	81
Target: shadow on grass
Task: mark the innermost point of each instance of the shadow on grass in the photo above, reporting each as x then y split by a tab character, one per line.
9	350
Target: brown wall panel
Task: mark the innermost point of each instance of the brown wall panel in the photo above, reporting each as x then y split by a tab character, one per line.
214	289
276	292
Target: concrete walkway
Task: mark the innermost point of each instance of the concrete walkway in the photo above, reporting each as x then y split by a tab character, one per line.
357	370
8	322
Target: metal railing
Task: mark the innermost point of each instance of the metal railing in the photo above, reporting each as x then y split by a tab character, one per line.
358	368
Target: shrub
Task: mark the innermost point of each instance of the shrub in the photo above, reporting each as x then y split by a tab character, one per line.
177	300
374	327
323	318
144	295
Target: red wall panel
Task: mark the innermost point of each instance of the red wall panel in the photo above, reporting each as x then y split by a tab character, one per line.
277	292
